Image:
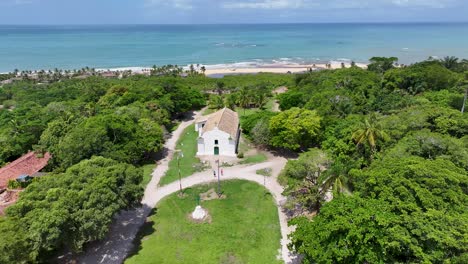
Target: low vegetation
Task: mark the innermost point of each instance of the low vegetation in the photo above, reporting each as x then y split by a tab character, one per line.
184	157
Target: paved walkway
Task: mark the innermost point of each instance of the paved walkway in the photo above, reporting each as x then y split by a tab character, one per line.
116	246
244	172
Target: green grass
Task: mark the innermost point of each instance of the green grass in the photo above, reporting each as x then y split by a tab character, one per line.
147	173
269	105
246	111
209	111
189	163
244	228
264	172
258	158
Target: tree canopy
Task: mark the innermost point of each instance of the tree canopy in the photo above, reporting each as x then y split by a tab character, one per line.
69	209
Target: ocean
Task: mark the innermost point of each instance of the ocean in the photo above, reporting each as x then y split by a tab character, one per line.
221	46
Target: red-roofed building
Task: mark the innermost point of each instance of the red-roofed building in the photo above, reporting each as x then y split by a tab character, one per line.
28	164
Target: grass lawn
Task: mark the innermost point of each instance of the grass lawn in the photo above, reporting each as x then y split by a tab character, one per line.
246	111
244	228
209	111
258	158
189	163
147	173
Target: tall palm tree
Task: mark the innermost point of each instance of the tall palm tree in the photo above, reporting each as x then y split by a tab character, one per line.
336	177
465	85
450	62
244	98
220	87
369	134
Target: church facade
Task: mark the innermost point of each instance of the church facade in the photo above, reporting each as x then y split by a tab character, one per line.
218	134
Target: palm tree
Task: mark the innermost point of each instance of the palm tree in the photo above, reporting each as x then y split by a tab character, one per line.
336	178
244	97
450	62
465	84
220	87
370	133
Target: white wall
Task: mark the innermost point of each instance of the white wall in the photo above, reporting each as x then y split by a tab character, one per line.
199	127
206	144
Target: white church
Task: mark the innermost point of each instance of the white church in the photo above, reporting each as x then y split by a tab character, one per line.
218	133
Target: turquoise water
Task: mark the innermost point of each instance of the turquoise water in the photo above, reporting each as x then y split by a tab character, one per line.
68	47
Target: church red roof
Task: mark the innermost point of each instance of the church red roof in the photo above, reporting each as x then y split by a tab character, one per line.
28	164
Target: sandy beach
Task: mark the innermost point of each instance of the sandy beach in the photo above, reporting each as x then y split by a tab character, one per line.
267	68
277	68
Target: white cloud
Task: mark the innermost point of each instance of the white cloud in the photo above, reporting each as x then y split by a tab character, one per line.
265	4
333	4
423	3
178	4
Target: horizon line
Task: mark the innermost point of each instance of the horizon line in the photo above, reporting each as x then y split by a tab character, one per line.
248	23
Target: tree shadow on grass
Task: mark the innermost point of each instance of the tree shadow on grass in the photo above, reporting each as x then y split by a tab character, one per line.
145	230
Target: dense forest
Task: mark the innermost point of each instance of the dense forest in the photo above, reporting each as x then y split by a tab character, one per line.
389	144
99	132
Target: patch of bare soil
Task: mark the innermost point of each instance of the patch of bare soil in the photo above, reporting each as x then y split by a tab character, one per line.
7	198
211	195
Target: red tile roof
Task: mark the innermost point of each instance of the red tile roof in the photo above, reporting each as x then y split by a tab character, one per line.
28	164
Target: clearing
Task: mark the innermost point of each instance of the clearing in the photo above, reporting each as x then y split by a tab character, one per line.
244	228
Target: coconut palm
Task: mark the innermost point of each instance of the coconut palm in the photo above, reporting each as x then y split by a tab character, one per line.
336	178
220	87
465	85
369	134
244	98
450	62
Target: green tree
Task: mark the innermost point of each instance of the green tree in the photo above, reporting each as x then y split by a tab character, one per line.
382	64
348	230
370	133
295	129
404	210
260	133
216	102
464	84
303	178
291	99
450	62
70	209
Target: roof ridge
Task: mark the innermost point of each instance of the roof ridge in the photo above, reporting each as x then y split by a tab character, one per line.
222	115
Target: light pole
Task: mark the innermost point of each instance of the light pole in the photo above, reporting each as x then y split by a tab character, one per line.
219	183
180	155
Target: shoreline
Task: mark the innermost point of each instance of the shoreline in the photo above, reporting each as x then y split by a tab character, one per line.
232	69
279	69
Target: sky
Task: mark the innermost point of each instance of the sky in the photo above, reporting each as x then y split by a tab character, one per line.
35	12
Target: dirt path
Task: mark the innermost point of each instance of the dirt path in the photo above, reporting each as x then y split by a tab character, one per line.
277	91
119	241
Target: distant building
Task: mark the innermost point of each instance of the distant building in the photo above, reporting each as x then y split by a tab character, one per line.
219	133
29	164
21	170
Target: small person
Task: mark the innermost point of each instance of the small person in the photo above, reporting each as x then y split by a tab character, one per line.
222	173
214	173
